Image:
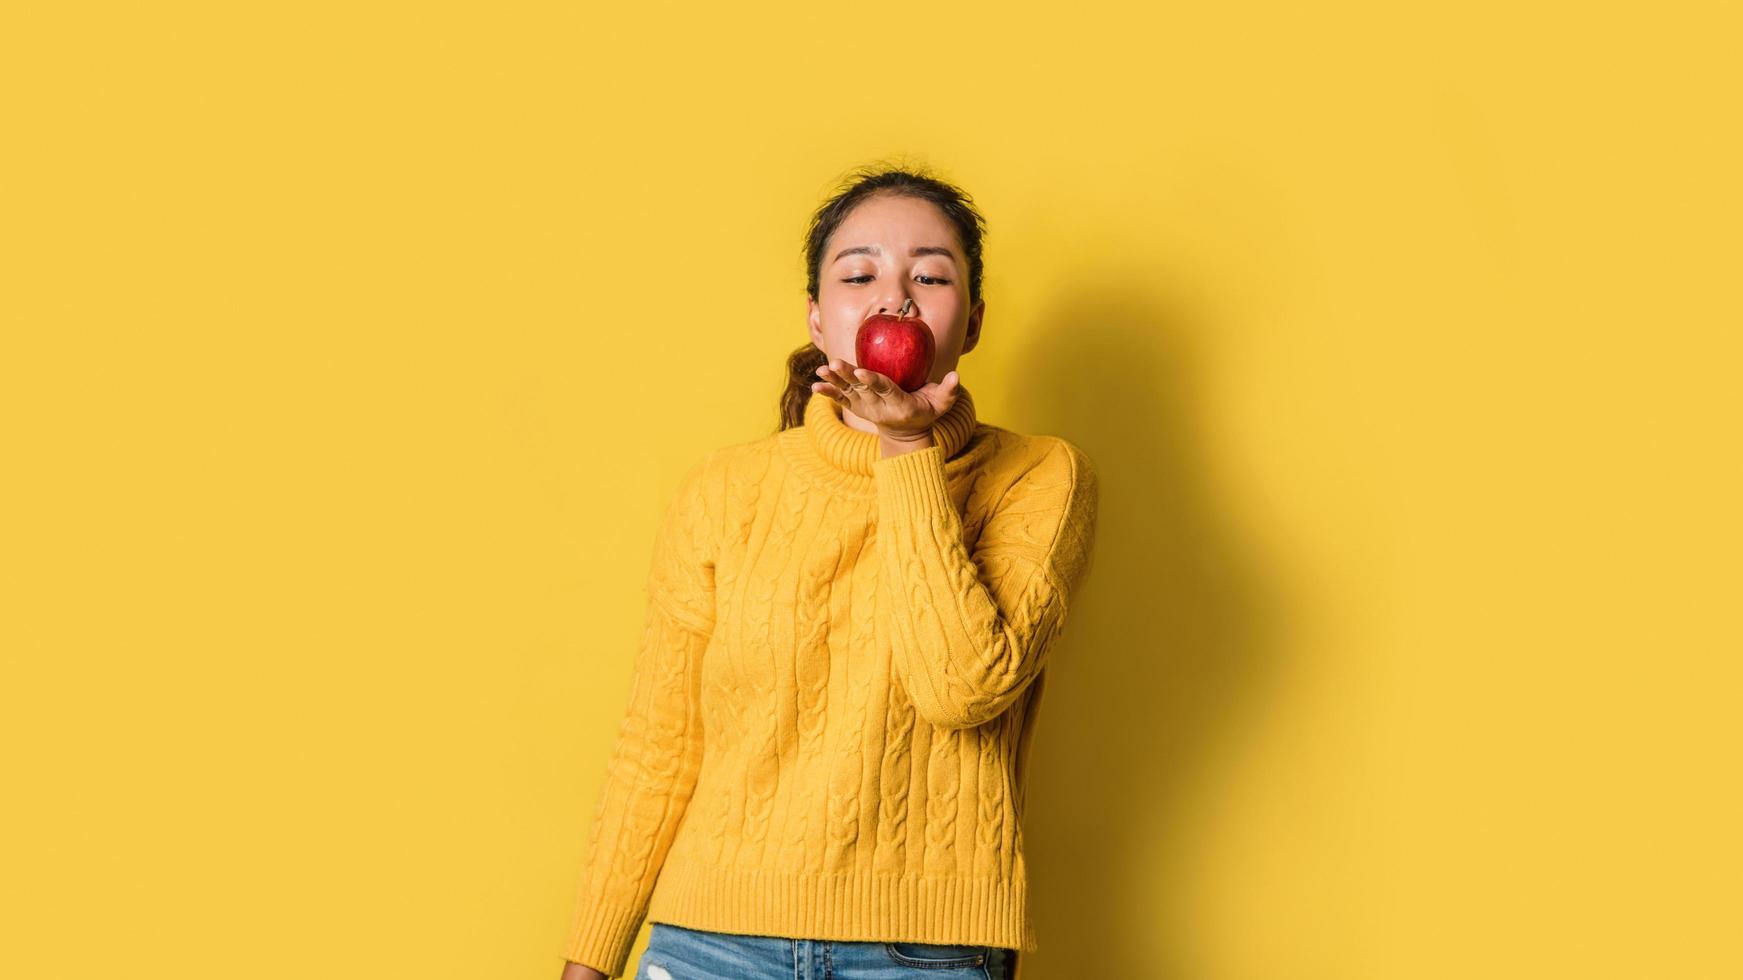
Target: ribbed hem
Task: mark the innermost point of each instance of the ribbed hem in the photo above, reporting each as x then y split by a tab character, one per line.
911	486
851	907
601	937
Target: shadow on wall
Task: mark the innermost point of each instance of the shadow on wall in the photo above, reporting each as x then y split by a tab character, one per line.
1162	655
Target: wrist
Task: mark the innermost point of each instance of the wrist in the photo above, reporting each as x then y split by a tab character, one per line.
897	443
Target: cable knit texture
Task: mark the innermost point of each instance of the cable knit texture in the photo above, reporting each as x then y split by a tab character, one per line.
835	690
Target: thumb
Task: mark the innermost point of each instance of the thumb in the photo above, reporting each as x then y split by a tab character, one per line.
949	389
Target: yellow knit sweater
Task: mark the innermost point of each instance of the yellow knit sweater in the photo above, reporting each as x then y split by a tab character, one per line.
835	690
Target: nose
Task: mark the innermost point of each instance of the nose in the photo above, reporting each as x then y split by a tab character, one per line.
899	305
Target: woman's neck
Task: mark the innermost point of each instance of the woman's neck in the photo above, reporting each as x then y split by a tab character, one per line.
853	421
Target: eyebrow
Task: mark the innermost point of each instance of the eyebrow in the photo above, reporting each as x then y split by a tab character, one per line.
918	251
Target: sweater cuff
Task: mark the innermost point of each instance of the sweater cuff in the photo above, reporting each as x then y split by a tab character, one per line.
911	485
601	937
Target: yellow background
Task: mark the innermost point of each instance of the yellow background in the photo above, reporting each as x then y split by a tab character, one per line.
351	351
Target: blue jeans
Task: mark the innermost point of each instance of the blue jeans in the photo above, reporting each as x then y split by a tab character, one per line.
679	953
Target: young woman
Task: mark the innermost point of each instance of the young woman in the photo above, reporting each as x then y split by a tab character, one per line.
821	770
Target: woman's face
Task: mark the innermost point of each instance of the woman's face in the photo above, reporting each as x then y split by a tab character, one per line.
870	266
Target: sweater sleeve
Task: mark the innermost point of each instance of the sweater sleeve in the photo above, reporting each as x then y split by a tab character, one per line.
969	632
653	767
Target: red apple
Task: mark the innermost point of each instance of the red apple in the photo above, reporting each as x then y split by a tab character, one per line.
898	346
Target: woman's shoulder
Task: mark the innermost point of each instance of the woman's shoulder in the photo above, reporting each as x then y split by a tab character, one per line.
1040	493
1038	459
712	473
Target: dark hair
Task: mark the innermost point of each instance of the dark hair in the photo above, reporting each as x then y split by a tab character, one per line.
802	364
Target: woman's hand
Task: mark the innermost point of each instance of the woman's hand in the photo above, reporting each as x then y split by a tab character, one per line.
580	971
899	415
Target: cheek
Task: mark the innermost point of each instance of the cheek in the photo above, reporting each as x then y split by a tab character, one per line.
840	326
834	307
840	308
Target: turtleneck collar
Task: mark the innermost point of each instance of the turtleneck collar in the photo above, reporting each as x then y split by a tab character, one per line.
851	451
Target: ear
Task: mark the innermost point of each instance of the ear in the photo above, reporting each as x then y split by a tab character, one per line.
814	321
974	317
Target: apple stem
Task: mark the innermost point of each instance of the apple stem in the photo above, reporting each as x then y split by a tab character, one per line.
905	304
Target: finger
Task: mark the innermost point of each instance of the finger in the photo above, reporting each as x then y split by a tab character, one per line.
880	384
826	373
834	392
951	389
851	381
836	373
829	391
943	393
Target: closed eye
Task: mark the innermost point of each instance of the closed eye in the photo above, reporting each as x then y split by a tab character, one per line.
935	280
